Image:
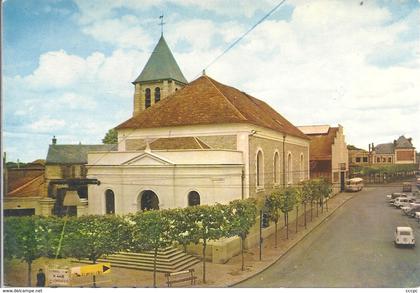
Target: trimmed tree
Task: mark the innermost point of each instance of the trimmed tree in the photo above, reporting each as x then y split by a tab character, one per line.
326	189
299	199
306	197
150	232
182	226
28	238
242	216
94	237
273	204
287	203
211	224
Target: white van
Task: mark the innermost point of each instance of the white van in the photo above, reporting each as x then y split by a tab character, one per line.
404	236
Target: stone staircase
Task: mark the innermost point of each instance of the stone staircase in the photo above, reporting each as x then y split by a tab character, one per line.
168	260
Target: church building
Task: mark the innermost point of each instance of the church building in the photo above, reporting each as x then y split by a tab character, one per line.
194	143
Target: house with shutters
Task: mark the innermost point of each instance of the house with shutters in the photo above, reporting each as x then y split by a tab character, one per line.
199	143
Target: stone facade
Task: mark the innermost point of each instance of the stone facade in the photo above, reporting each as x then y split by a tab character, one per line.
276	175
221	142
165	87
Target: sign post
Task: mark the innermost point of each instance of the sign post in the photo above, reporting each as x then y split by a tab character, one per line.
58	277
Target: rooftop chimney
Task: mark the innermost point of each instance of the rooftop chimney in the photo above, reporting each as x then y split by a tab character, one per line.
54	140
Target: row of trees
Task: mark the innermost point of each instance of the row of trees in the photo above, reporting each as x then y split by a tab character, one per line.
283	201
383	172
93	236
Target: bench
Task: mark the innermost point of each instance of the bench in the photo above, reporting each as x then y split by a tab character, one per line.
181	276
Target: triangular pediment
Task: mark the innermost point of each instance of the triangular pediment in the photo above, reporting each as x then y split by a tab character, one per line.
148	159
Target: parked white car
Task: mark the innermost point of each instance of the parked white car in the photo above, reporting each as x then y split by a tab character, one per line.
402	201
404	236
418	216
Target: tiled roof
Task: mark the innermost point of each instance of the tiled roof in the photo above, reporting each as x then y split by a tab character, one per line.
161	65
385	148
31	188
175	143
74	153
314	129
320	145
206	101
19	177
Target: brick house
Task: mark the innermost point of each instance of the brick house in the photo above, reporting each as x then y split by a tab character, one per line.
400	151
328	154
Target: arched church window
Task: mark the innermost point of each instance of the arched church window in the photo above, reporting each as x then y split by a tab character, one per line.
260	168
148	100
157	94
302	172
276	167
193	198
289	169
109	202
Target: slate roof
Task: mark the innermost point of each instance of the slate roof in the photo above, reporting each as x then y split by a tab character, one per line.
385	148
320	147
403	142
206	101
74	153
161	65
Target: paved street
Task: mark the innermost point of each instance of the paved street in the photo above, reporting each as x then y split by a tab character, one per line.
354	248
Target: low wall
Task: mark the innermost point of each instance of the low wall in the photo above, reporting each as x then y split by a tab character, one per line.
222	250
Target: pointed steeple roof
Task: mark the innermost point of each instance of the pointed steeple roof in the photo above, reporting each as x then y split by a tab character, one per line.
161	65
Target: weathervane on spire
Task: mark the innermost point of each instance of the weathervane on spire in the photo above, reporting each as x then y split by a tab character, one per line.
161	24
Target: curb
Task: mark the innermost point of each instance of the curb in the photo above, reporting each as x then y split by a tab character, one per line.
293	245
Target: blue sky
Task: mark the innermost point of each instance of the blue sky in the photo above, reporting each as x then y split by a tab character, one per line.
68	65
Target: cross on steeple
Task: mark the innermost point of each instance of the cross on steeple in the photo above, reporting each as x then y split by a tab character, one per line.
161	24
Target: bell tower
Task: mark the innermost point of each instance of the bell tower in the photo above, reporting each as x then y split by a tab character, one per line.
161	76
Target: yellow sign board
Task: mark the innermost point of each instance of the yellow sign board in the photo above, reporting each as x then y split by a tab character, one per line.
91	270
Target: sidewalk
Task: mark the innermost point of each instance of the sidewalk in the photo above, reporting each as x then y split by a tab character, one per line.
217	275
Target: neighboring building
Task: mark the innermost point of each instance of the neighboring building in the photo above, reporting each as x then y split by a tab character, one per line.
65	169
24	190
328	153
205	143
401	151
358	157
160	77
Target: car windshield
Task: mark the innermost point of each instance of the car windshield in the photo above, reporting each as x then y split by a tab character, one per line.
405	233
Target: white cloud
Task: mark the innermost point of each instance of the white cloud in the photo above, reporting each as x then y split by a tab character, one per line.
332	62
47	124
124	32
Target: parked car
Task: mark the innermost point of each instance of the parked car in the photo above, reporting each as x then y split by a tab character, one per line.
402	201
394	195
414	209
418	183
404	236
418	216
